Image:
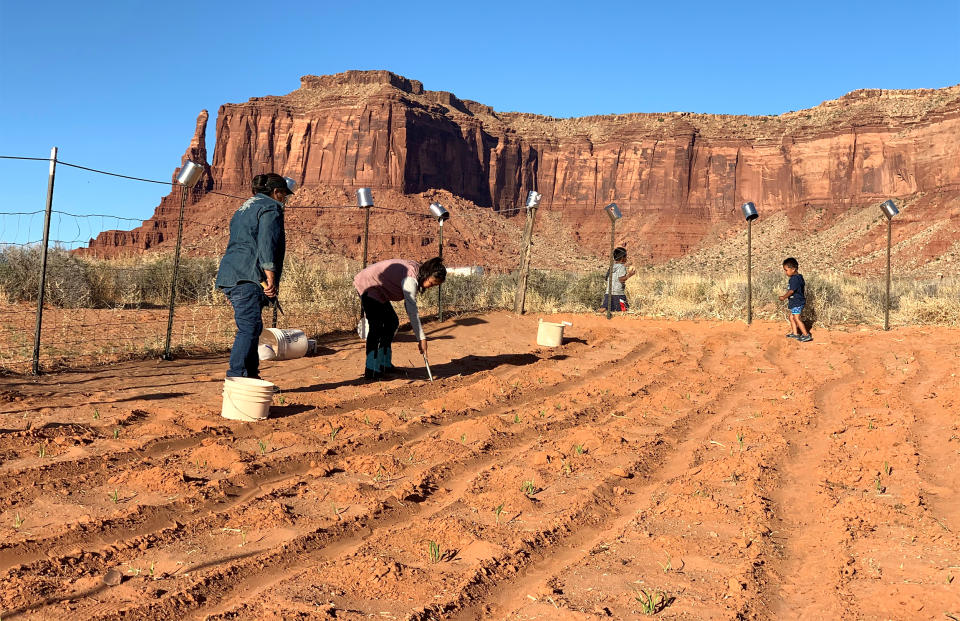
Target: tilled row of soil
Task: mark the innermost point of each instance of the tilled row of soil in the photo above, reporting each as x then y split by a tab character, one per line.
691	470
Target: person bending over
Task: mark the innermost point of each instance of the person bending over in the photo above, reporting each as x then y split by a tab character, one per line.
391	281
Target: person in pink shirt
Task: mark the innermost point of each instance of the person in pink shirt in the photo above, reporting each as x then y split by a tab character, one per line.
388	281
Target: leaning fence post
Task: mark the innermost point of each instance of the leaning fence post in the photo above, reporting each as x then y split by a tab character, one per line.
533	200
43	260
188	177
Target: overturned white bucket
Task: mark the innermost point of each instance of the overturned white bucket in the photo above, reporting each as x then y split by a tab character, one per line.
286	344
550	334
246	399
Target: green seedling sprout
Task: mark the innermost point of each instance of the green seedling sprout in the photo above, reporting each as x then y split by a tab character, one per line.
18	521
740	440
651	602
263	446
528	488
366	419
878	486
96	414
116	433
115	496
433	551
333	431
578	449
516	417
281	399
567	470
152	565
668	565
887	469
43	451
496	511
379	476
463	438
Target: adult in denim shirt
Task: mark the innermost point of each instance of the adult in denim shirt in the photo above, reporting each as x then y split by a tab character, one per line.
254	255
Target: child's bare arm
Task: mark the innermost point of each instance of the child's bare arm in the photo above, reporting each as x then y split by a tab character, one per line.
786	295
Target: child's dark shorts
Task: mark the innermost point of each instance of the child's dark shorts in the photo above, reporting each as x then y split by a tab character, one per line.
619	303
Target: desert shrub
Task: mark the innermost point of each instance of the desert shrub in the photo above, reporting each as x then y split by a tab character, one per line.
75	282
66	283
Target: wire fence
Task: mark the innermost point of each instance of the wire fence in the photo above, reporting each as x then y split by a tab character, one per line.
99	310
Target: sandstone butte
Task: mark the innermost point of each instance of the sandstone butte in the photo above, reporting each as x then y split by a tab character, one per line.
678	177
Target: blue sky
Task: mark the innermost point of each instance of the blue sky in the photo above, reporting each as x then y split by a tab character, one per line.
118	85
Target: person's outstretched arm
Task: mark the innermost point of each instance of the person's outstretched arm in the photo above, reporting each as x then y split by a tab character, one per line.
410	287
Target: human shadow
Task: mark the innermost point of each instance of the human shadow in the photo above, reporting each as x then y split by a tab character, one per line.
283	411
466	365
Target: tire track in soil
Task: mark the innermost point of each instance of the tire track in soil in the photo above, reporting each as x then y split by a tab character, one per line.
799	576
671	459
937	436
167	518
212	589
544	393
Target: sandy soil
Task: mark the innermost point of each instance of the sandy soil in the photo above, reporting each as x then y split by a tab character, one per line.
738	473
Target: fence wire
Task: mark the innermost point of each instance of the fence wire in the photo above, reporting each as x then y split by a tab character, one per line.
99	310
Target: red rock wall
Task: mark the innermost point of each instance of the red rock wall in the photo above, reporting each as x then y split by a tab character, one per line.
675	175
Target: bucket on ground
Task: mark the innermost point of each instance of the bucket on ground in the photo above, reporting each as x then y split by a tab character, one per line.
286	344
550	334
246	399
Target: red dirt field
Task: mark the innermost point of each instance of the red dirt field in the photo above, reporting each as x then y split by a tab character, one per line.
741	474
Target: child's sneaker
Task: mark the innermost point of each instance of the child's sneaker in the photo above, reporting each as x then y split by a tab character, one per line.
806	338
793	336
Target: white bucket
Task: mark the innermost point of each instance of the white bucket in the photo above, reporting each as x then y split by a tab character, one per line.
287	344
266	352
550	334
246	399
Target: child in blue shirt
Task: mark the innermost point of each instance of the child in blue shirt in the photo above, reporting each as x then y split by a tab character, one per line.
795	301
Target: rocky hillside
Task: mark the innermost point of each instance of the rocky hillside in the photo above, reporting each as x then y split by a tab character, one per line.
678	177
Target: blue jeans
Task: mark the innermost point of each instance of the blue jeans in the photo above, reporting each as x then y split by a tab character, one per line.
248	302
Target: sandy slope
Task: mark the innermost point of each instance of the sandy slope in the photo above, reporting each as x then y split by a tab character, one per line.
740	473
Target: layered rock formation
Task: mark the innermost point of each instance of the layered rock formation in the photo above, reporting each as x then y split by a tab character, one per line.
676	176
163	225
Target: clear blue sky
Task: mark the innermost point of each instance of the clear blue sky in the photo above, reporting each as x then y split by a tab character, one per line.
118	85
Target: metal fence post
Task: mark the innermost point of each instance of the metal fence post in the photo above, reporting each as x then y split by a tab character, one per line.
43	260
440	286
749	272
749	214
613	212
189	175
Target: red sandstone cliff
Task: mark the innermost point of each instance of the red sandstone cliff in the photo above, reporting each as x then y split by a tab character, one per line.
676	176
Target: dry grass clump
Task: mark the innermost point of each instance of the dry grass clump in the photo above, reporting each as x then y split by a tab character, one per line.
76	282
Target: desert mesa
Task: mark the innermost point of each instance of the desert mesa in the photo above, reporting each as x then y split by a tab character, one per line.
679	177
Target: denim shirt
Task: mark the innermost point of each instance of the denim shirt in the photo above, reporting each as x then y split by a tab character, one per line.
257	243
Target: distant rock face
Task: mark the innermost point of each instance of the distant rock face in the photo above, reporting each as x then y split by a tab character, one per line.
675	175
163	224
